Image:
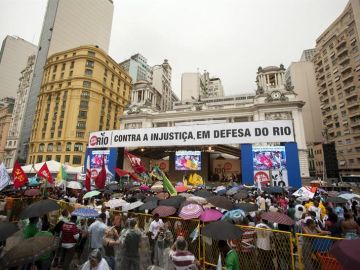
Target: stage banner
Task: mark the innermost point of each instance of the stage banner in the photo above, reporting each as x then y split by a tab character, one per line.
229	133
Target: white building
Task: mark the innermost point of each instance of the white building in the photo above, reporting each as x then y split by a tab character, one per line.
67	24
161	81
272	101
17	118
13	57
138	68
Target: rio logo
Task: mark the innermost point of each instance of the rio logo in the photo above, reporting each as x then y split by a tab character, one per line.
99	140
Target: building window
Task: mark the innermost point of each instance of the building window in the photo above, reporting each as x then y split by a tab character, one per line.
76	160
70	73
85	94
91	53
80	134
58	158
88	72
89	64
41	147
78	147
48	157
54	69
63	66
82	114
50	147
58	147
59	133
84	104
67	158
72	64
81	125
68	146
39	159
86	84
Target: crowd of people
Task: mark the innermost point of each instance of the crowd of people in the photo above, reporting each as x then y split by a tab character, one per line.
117	240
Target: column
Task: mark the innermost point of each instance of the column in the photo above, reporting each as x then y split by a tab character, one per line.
277	79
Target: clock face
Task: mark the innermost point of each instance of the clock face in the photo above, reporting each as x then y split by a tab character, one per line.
275	95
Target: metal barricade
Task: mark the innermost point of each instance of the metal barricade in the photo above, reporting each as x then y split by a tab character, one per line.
313	252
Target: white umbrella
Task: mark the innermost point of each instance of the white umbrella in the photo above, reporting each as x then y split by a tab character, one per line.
74	185
115	203
197	199
131	206
349	196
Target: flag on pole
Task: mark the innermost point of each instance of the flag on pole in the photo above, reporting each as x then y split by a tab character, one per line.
88	175
196	180
306	191
18	175
166	182
101	178
135	163
4	177
45	173
62	175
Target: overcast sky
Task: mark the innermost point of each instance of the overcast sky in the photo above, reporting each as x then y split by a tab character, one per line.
228	38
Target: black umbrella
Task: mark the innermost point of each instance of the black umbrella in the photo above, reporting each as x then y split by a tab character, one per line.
222	230
347	253
203	193
113	187
247	207
274	189
39	209
7	229
139	196
241	195
148	206
221	202
151	199
174	201
336	200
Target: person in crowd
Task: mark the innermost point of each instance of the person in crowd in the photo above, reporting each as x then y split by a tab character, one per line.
332	224
107	214
30	230
97	231
44	262
111	239
230	255
163	242
57	233
181	258
65	216
131	243
263	243
154	228
350	229
179	229
70	236
310	227
95	262
9	205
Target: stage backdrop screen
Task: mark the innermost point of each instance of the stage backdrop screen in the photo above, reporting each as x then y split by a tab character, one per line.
188	160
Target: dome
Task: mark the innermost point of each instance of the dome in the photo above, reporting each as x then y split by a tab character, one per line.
271	69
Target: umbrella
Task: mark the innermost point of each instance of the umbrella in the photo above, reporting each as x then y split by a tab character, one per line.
181	188
74	185
196	199
191	211
174	201
347	253
232	191
113	187
222	230
28	251
139	196
131	206
164	211
7	229
277	217
151	199
150	205
302	199
247	207
39	209
32	192
114	203
274	189
85	213
186	195
144	188
221	192
242	194
220	202
33	181
91	194
333	193
117	195
220	188
235	215
349	196
158	186
163	195
210	215
336	200
203	193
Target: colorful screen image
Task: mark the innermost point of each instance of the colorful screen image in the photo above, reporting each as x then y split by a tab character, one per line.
188	160
96	158
271	157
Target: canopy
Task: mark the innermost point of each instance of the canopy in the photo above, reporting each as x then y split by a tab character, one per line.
53	166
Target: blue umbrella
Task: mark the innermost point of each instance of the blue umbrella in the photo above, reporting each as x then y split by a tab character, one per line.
235	215
232	191
33	181
85	213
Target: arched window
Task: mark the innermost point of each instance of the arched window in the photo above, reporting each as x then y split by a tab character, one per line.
78	147
58	147
68	146
41	147
50	147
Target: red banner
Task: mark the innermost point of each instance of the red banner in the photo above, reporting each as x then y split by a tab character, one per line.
19	177
135	163
45	173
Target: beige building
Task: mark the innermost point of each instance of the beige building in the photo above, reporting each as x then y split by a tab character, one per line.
13	58
83	90
337	68
6	109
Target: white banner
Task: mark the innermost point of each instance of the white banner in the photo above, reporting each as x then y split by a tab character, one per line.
224	133
4	177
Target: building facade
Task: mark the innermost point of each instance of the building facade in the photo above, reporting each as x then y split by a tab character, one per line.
6	109
138	68
83	90
13	58
337	68
308	55
67	24
12	144
161	81
272	101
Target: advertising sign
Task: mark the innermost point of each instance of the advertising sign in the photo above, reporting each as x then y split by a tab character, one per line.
96	158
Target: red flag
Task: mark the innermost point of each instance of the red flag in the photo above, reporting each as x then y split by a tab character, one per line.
101	178
88	175
45	173
135	163
20	178
123	173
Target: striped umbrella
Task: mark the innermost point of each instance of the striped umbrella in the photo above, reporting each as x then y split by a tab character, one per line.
277	217
85	213
191	211
164	211
221	202
210	215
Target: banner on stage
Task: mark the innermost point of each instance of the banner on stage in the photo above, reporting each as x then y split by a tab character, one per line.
223	133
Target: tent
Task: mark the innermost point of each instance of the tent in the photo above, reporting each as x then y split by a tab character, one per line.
53	166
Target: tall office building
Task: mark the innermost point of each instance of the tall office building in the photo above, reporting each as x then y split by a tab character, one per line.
13	58
6	109
83	90
308	55
138	68
337	68
161	81
12	144
67	24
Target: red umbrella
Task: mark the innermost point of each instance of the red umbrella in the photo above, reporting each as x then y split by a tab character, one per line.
347	253
164	211
32	192
181	188
191	211
277	217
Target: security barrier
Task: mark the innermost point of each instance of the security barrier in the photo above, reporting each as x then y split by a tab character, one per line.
313	252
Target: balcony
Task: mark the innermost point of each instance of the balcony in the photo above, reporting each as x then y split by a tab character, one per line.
341	44
344	59
347	78
342	51
353	113
345	69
